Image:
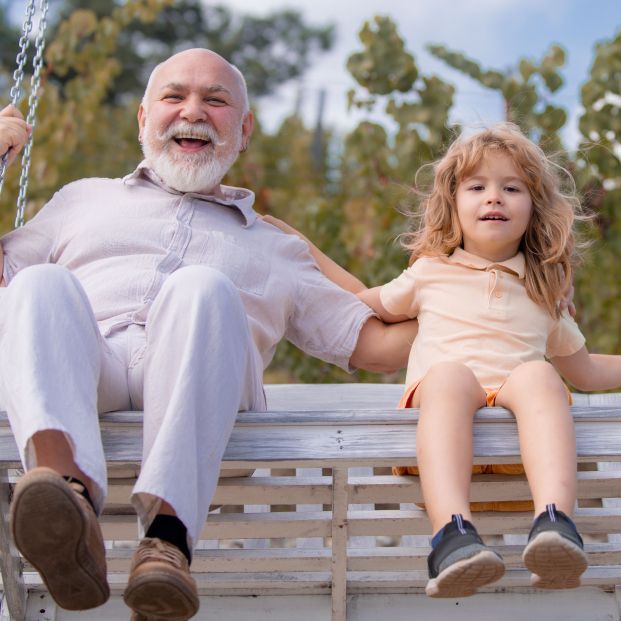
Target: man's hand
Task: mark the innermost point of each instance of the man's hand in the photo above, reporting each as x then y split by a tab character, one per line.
14	132
567	303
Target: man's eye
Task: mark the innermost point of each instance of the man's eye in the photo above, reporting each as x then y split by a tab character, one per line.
172	97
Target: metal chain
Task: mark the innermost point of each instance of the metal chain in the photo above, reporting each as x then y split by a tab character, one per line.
33	100
16	93
18	74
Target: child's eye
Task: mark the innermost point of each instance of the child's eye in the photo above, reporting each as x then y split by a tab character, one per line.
512	188
477	187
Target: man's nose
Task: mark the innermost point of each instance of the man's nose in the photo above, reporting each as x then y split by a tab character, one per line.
193	110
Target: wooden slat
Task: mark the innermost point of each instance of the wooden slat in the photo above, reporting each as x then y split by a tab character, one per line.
415	522
408	558
406	489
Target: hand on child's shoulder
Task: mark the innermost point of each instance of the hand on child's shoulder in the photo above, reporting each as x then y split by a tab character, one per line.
567	302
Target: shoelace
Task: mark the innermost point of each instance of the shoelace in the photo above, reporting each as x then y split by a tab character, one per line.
157	550
551	509
459	522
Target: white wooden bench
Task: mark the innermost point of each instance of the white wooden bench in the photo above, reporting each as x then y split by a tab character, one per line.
314	519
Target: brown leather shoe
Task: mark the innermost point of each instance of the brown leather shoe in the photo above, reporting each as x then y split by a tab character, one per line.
56	530
160	587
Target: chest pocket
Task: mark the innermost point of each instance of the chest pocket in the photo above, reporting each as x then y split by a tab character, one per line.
247	267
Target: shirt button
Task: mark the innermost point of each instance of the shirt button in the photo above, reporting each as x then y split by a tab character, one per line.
498	294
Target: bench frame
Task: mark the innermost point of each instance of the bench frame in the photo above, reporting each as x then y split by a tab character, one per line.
316	468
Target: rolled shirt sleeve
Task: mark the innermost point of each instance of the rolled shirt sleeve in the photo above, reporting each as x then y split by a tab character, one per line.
326	320
399	295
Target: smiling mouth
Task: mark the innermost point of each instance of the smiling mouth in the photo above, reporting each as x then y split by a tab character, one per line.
188	142
494	216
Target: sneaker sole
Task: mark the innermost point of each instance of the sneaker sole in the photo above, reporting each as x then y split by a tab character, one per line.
463	578
160	596
554	562
50	531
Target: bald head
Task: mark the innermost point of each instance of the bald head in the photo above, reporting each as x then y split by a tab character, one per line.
200	57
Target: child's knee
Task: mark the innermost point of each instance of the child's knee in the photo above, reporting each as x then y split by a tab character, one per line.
455	372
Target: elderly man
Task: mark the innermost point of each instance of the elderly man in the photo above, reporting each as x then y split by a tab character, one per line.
161	291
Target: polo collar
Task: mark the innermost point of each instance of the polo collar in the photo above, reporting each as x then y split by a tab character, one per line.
229	196
515	265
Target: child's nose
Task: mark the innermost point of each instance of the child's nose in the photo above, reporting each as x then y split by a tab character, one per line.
493	198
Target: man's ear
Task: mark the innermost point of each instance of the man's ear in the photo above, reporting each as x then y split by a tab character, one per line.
141	121
247	127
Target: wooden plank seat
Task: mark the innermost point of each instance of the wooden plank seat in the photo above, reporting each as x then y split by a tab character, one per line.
314	518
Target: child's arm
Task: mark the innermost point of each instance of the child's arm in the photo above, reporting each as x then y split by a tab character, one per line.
371	297
590	372
332	270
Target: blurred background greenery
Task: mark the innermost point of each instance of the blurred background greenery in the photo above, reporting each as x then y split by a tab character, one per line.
348	192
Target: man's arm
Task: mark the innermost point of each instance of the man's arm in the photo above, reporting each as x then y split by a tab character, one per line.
384	348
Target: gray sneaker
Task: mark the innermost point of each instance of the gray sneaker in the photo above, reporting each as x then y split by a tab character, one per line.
555	551
461	563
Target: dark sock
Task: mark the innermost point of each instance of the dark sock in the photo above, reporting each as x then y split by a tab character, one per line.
83	492
170	528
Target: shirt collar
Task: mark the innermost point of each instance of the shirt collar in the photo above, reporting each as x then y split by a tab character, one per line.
515	265
229	196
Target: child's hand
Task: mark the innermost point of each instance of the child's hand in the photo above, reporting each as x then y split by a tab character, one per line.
14	132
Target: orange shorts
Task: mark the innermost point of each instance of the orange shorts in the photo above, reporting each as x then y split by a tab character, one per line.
510	469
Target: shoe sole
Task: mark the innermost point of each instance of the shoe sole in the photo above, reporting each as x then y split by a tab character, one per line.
50	531
463	578
160	596
554	562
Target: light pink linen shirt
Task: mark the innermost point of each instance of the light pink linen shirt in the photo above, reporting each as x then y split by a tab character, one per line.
123	237
476	312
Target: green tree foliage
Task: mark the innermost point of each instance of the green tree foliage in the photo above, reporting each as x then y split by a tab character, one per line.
598	172
269	50
525	90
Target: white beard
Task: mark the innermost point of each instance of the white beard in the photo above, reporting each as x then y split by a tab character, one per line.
189	172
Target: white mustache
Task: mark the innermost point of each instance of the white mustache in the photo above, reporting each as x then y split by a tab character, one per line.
200	131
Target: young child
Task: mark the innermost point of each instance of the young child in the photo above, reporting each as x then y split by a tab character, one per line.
491	259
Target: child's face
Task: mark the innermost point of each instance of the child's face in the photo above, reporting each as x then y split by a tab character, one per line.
494	207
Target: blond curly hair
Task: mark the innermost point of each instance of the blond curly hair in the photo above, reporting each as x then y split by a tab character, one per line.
549	243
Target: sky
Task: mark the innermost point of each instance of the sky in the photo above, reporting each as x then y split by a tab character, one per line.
495	33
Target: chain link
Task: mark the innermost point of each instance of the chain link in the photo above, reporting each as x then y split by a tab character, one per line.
33	100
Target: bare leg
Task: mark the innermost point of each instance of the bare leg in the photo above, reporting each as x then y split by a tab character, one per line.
54	451
535	393
448	397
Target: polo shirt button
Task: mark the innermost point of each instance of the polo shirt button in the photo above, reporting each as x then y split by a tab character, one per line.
498	294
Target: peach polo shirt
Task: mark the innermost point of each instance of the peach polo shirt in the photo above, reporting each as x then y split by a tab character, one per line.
477	312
